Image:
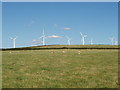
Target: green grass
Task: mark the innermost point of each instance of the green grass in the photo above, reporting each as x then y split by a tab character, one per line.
67	46
77	46
58	69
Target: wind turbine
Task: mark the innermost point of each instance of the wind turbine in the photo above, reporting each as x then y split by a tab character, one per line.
116	42
43	37
91	41
68	40
83	38
112	40
14	44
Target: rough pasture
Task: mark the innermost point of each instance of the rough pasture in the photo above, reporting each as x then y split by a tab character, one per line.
60	69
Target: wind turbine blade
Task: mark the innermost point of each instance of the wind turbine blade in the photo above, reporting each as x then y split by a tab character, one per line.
81	34
16	37
70	38
11	38
41	37
85	35
44	29
67	37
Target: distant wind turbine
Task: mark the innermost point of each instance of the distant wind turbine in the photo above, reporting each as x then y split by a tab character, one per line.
83	38
112	40
14	44
43	37
68	40
91	42
116	41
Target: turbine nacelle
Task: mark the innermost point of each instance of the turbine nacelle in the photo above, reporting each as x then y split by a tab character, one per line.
13	38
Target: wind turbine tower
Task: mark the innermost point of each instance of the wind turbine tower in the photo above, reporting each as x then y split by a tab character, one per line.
14	44
83	38
68	40
91	41
43	37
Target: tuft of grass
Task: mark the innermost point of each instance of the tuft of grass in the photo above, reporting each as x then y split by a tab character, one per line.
58	69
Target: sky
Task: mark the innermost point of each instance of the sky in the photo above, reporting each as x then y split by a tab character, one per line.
26	20
60	0
0	25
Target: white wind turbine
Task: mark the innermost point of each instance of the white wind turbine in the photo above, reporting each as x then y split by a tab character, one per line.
112	40
116	42
83	38
68	40
14	44
43	37
91	42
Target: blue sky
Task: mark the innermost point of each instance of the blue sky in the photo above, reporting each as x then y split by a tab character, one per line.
0	25
98	20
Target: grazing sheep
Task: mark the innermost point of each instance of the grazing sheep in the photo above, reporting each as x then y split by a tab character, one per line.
63	52
52	51
79	52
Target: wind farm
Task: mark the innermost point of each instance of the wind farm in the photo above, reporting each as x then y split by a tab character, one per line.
60	45
42	44
60	66
64	65
38	44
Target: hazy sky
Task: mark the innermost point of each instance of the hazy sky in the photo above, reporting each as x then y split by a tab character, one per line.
97	20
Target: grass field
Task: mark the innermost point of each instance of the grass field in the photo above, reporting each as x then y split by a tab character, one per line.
66	47
60	69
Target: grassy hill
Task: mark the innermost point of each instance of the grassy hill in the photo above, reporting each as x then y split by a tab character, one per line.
52	67
77	46
57	68
67	47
